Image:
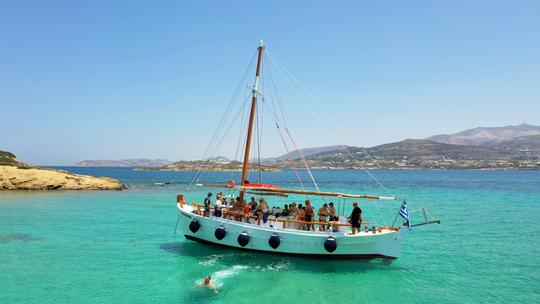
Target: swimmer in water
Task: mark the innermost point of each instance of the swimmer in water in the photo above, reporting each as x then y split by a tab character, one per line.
207	282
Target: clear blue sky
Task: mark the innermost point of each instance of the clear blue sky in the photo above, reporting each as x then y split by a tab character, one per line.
125	79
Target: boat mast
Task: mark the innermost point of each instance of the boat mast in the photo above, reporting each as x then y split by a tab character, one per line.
255	92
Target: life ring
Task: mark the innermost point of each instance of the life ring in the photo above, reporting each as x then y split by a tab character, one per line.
230	184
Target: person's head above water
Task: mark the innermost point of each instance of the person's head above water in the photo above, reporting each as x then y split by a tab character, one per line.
207	280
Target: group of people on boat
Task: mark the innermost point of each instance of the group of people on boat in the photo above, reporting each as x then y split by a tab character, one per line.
259	211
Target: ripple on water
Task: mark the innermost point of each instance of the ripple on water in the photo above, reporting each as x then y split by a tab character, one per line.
17	237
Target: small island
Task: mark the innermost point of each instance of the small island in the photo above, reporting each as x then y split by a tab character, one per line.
15	175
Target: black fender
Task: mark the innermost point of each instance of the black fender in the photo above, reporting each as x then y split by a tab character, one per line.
243	239
194	226
330	244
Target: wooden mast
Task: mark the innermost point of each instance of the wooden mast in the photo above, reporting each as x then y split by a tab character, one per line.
245	168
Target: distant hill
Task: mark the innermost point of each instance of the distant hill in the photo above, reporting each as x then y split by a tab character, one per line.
414	150
141	162
8	159
295	154
482	135
218	158
524	146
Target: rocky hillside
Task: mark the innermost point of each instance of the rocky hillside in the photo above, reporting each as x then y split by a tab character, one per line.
416	150
482	135
520	147
295	154
8	159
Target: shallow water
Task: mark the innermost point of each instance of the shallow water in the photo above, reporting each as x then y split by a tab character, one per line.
119	247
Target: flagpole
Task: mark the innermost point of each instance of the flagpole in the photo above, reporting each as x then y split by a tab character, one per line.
398	213
395	219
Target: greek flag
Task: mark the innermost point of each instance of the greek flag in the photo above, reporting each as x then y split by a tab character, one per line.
404	212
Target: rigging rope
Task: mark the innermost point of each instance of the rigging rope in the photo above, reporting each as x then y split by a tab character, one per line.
306	91
286	75
292	140
222	120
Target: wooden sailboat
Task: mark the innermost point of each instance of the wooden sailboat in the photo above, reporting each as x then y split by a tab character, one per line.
281	235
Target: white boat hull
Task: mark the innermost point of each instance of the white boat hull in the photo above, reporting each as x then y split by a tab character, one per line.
386	243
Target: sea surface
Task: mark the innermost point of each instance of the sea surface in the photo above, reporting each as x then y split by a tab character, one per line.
120	246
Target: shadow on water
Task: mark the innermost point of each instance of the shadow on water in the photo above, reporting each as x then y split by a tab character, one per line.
208	255
17	237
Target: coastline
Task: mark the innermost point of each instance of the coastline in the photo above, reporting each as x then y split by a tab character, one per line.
280	169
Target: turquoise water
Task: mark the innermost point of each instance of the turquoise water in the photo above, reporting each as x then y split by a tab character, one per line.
119	247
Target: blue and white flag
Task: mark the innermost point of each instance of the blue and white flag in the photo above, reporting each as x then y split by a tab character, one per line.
404	212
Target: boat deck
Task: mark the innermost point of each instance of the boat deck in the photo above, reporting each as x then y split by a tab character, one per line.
340	227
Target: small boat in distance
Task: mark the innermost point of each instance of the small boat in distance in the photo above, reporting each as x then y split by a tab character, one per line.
236	227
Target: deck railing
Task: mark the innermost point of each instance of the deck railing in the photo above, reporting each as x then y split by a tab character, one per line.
238	216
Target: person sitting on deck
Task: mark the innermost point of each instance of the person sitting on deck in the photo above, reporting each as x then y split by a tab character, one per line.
258	216
285	211
253	204
245	211
237	208
232	201
263	206
323	213
293	211
223	205
309	213
207	204
356	218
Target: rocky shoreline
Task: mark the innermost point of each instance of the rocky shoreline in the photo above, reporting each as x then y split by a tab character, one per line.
33	178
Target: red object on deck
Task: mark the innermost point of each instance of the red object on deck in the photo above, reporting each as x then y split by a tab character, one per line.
262	186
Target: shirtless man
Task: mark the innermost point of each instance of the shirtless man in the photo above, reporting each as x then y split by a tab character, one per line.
301	216
322	213
309	214
332	216
332	212
237	208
